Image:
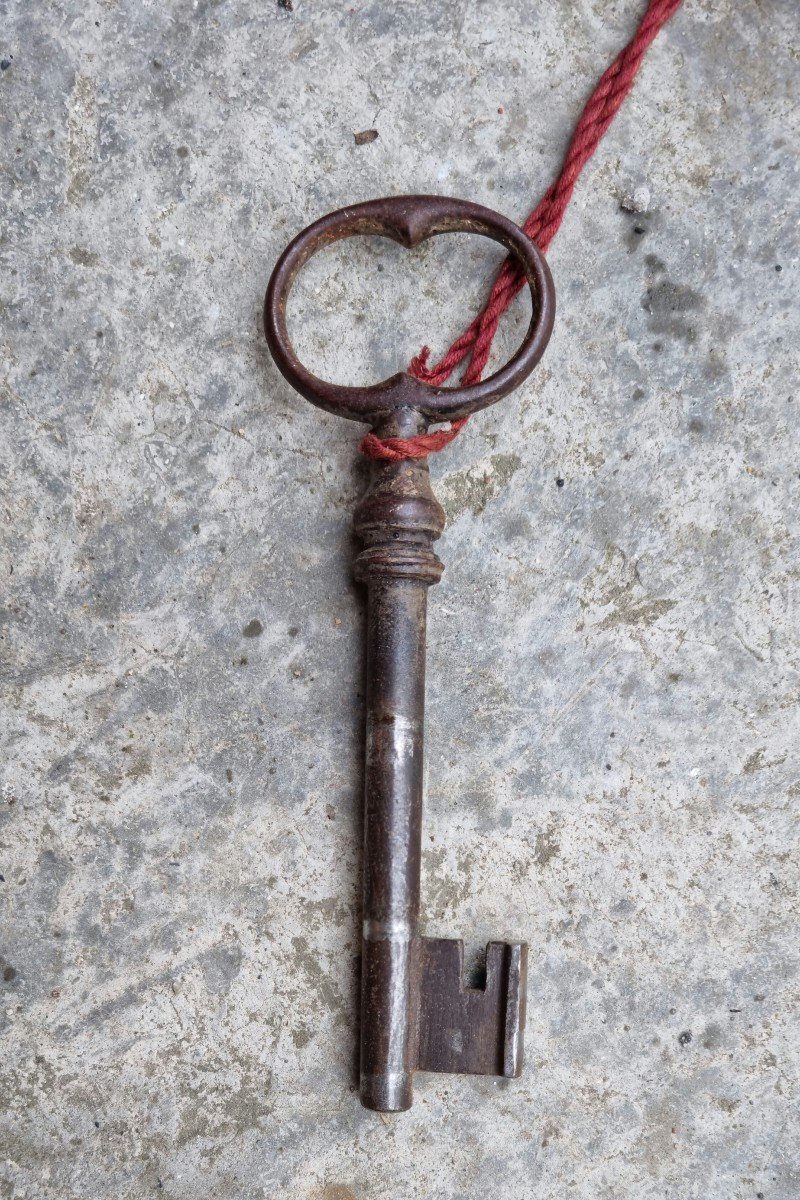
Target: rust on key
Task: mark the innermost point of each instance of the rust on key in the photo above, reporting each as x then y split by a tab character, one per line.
416	1013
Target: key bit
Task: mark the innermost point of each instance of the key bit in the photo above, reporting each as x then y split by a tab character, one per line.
416	1013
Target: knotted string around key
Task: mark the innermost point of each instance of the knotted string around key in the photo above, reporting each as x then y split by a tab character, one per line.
475	343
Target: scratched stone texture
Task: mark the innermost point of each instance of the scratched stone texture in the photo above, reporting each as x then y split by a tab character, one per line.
614	666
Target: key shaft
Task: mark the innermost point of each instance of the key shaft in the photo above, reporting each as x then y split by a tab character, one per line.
416	1013
398	520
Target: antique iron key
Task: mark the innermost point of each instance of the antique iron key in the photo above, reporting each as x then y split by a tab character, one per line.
416	1013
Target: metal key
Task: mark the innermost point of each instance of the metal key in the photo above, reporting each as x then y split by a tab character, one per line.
416	1013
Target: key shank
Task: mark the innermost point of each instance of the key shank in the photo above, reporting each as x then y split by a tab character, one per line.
415	1011
398	520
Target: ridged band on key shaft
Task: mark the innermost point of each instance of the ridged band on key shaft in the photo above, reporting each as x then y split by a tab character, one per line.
398	520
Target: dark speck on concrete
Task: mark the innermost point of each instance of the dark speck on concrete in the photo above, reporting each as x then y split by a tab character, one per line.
5	63
668	305
778	267
293	630
559	483
253	628
182	152
685	1037
84	258
229	774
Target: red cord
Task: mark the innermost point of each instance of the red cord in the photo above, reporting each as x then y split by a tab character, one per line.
541	226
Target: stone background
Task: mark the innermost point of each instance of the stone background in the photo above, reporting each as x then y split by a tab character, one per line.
614	686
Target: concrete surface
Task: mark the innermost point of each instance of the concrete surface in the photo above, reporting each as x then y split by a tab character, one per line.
614	687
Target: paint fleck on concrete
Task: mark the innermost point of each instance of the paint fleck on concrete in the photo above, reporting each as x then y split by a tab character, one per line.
612	767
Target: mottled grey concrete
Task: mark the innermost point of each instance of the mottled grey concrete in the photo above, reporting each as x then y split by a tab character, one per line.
614	685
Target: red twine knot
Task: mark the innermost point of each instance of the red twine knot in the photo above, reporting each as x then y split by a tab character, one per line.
541	226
